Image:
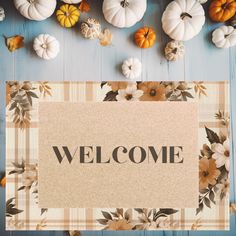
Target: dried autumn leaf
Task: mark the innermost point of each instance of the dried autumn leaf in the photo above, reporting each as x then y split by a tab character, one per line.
74	233
3	182
84	6
106	37
14	42
232	208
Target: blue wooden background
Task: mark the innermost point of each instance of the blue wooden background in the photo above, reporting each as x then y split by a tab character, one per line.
82	59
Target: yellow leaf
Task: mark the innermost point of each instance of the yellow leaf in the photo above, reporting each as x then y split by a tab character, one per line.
84	6
106	37
14	42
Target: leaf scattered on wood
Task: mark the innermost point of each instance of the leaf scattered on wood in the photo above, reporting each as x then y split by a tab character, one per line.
106	37
233	208
84	6
74	233
15	42
3	182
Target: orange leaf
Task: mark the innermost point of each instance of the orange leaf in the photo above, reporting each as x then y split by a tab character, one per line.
3	182
106	37
14	42
84	6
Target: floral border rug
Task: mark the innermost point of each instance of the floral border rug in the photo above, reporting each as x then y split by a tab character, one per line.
22	211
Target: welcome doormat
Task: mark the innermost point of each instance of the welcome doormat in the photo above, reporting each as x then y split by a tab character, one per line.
117	155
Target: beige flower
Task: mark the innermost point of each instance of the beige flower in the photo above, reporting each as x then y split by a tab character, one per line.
115	86
119	225
30	175
152	91
161	223
129	94
221	154
208	173
223	187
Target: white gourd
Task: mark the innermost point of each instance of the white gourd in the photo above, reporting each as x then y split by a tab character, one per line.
2	14
224	37
90	28
46	46
132	68
124	13
183	19
174	50
36	9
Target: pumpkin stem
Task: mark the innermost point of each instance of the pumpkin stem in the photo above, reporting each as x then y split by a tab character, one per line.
44	46
185	14
124	3
146	35
174	50
224	6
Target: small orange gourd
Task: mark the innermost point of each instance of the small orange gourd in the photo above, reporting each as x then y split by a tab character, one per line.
145	37
222	10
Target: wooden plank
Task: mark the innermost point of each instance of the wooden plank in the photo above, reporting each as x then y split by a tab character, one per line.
28	66
7	28
203	61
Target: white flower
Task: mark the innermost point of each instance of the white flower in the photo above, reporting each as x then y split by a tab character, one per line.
221	154
129	94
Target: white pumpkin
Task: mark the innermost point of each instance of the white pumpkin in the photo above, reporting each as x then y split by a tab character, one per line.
183	19
2	14
35	9
132	68
90	29
46	46
174	50
224	37
72	1
124	13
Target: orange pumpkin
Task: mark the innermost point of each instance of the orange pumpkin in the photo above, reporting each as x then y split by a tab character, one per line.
222	10
145	37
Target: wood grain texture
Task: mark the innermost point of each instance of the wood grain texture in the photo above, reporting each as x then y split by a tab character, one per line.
81	59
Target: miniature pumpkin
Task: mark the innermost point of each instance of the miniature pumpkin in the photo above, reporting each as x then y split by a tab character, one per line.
174	50
222	10
183	19
68	15
35	9
90	29
145	37
46	46
72	1
132	68
2	14
124	13
224	37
